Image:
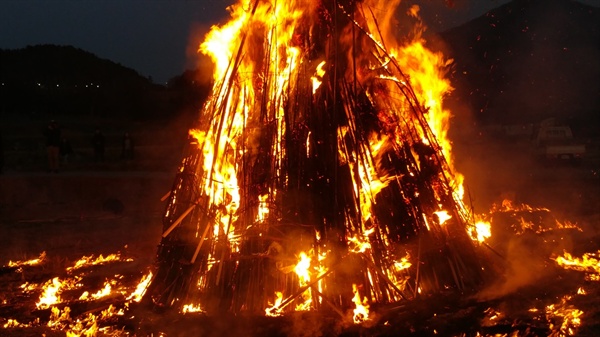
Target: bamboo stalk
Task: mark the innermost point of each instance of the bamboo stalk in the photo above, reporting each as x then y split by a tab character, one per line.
200	242
179	219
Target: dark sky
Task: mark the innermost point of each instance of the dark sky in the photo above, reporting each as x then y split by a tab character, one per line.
158	37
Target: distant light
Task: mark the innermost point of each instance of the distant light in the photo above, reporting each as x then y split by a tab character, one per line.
57	85
98	86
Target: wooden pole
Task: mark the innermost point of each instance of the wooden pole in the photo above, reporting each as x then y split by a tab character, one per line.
178	221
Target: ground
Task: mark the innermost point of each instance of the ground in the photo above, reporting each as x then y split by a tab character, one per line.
89	209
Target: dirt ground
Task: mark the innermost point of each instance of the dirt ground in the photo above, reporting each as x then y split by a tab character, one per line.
86	210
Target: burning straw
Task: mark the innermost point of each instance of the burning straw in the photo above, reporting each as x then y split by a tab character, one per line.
323	146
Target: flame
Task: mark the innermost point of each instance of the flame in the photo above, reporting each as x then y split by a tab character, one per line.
140	289
361	312
87	261
262	55
274	310
588	263
52	289
443	216
570	316
302	269
191	308
481	231
318	76
31	262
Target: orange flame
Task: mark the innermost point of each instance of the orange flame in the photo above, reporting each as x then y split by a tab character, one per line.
361	312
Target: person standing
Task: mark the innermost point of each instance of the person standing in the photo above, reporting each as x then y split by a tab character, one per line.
52	135
127	151
98	145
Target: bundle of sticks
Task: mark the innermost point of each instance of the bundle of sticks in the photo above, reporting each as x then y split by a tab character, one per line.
322	149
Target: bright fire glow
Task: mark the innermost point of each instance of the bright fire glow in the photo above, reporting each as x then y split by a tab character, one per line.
588	263
361	312
31	262
87	261
274	310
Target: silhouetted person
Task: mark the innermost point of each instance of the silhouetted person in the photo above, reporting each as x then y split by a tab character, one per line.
98	145
65	149
52	135
127	143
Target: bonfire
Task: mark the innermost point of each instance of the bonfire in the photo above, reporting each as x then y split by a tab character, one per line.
319	176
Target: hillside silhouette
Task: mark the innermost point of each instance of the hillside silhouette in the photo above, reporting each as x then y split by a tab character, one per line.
528	60
51	79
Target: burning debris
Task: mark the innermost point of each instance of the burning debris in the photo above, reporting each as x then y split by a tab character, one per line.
319	165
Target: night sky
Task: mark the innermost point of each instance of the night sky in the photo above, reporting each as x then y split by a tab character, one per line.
158	38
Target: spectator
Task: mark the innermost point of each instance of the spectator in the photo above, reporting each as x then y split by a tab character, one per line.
65	150
127	143
52	135
98	145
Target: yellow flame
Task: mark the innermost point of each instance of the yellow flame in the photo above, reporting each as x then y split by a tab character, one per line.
87	261
140	289
31	262
317	78
274	310
571	317
191	308
443	216
588	263
361	312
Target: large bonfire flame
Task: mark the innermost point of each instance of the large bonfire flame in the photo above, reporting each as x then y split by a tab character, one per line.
320	165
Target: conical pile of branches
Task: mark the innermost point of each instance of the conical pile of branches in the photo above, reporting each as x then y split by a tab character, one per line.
314	173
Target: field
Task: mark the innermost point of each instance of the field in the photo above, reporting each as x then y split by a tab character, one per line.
91	209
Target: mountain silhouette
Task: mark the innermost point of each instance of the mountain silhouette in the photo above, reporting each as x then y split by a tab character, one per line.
528	60
67	80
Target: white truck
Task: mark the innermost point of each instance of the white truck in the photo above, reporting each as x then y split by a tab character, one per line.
556	143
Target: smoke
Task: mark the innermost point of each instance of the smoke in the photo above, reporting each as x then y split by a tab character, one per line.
526	261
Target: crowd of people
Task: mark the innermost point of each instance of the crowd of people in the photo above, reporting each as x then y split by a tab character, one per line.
59	149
